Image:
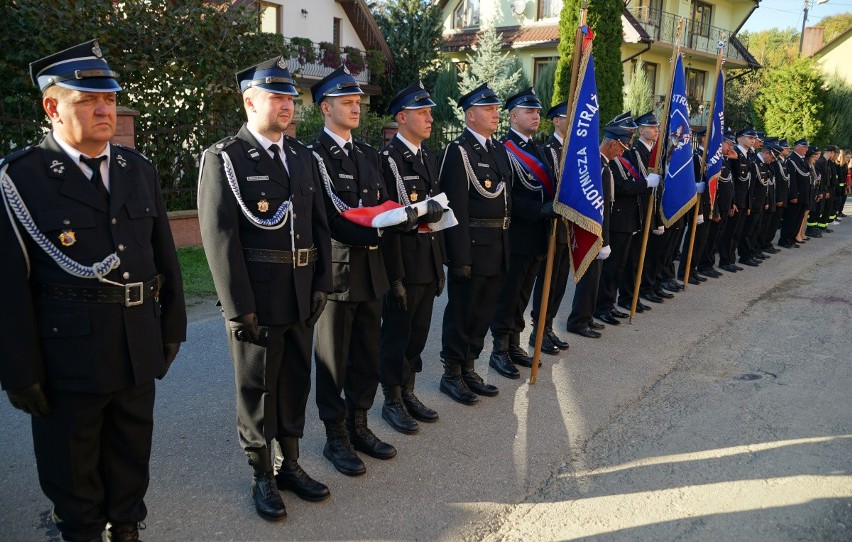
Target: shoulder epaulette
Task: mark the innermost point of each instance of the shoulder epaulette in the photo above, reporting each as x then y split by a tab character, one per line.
294	141
133	150
222	144
20	153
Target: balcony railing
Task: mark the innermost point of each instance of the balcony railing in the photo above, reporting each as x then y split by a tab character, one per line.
315	62
662	26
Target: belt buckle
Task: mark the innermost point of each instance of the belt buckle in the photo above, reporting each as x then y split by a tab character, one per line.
373	247
506	221
139	288
303	257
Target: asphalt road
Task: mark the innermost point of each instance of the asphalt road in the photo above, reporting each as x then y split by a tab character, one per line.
723	414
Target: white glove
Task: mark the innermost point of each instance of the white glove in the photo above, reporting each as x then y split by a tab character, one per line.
659	231
701	218
699	187
604	253
653	180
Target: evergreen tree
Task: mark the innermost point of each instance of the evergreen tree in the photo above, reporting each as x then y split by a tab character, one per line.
489	64
638	96
837	114
413	30
790	103
544	85
605	20
444	93
569	18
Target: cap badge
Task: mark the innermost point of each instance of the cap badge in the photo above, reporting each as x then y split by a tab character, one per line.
346	70
281	63
421	85
96	50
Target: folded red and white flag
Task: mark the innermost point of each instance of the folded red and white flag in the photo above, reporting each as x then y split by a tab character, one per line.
391	213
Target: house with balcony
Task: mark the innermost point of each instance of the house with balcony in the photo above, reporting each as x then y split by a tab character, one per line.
530	28
322	35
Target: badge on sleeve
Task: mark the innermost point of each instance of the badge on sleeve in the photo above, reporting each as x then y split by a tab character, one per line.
67	238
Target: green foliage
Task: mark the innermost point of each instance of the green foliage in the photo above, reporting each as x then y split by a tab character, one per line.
445	92
772	47
638	94
790	103
413	30
605	20
544	85
837	115
569	18
489	63
197	280
835	25
515	65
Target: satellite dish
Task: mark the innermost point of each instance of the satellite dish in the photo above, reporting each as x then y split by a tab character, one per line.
519	6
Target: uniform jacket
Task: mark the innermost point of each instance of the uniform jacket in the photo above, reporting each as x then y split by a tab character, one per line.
552	150
640	156
278	293
529	232
486	250
800	178
725	189
782	180
698	167
358	268
760	184
414	258
608	191
629	196
741	174
78	346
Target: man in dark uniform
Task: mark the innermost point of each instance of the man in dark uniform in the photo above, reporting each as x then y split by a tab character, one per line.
476	176
551	343
349	331
742	176
827	169
266	239
639	156
722	208
797	195
617	133
83	342
781	177
630	191
703	223
748	248
532	213
414	260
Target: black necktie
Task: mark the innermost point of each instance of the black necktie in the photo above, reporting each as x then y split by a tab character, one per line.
276	156
487	145
350	150
96	179
348	147
419	156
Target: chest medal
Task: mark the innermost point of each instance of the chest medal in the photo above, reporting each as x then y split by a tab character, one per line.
413	196
487	183
263	206
67	238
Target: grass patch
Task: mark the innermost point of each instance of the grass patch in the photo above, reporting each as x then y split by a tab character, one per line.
197	280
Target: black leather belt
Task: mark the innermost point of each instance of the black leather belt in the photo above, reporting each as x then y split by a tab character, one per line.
301	257
130	295
502	223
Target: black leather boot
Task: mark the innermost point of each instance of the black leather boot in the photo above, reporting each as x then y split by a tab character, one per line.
453	386
290	475
363	439
123	532
517	354
500	362
393	411
478	386
267	499
547	346
418	410
555	340
338	450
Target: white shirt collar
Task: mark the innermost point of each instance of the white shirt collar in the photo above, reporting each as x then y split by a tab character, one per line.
649	147
743	149
75	155
265	142
411	146
479	137
559	138
339	140
524	138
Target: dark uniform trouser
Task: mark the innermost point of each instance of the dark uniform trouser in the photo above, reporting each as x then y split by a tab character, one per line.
708	255
273	380
702	232
92	453
585	297
673	237
628	277
404	334
469	311
792	220
654	261
731	238
612	270
515	295
347	354
558	283
747	247
770	226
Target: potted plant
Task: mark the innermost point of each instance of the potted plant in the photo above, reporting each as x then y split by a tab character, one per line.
330	55
303	50
354	60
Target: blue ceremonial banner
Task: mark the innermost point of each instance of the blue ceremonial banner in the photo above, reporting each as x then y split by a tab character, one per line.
714	142
679	186
579	193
